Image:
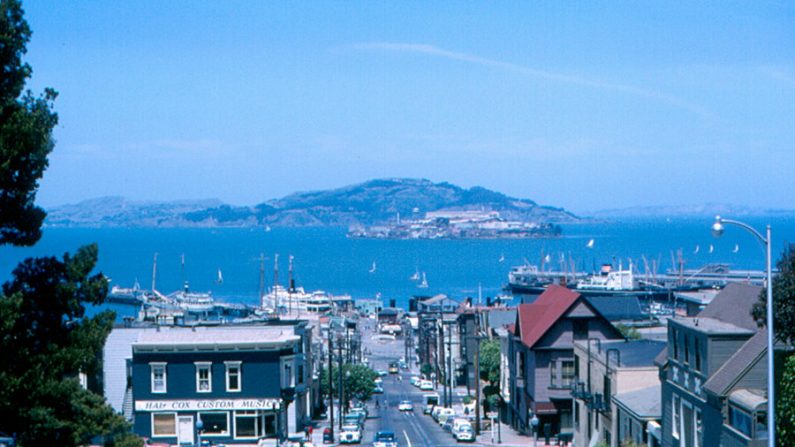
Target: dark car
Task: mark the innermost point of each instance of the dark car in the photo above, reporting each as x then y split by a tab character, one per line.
327	437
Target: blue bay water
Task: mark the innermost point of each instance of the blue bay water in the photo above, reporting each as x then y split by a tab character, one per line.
325	259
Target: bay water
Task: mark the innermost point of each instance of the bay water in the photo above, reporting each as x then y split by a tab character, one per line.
326	259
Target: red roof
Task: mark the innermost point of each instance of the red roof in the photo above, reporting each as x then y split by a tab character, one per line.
537	318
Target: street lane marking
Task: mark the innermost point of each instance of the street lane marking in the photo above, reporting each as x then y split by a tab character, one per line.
408	441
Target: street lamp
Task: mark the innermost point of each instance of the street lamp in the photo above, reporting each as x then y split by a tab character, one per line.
199	427
534	425
717	231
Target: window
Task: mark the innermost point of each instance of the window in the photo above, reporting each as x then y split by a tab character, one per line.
158	377
606	387
675	343
246	424
677	416
567	373
699	434
687	349
580	329
553	373
697	353
288	378
300	374
740	420
215	423
204	383
576	367
233	376
268	424
761	425
164	424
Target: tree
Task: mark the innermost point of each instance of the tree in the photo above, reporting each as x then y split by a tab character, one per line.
629	332
783	299
358	381
785	405
490	361
26	124
45	338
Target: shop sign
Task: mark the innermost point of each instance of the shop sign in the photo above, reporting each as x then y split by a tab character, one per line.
206	404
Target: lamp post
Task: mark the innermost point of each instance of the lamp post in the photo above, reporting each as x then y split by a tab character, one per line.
288	396
534	425
199	427
717	230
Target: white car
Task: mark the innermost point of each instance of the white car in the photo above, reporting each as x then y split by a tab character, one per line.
415	380
465	433
378	381
406	405
426	385
350	434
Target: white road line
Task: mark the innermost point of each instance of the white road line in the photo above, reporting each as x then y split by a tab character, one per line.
408	441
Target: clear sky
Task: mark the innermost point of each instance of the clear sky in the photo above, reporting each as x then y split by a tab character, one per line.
584	105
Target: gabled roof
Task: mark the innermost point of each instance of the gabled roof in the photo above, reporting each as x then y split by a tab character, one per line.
733	305
534	320
749	354
618	307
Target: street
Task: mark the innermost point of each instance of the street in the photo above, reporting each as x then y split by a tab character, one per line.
412	429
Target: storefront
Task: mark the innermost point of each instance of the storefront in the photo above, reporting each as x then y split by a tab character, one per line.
228	386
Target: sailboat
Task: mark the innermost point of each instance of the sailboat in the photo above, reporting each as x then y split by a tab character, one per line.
415	276
220	279
736	248
372	269
698	248
502	258
711	248
590	244
424	283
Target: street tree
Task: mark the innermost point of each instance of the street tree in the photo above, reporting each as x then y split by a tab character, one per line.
358	381
46	339
490	361
783	299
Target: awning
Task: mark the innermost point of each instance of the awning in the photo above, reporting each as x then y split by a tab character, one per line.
546	408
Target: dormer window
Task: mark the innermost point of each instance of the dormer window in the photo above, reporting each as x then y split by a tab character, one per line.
204	383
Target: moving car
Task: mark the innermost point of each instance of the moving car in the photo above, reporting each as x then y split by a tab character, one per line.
415	380
406	405
393	368
350	434
381	372
385	439
378	390
465	433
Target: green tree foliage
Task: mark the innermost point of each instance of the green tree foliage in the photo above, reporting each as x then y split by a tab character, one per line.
43	327
45	338
629	332
426	370
490	361
26	124
358	381
783	299
785	405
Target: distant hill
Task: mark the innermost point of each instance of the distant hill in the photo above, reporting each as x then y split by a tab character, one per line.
704	210
371	203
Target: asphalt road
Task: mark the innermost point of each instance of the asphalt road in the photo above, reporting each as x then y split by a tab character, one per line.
413	429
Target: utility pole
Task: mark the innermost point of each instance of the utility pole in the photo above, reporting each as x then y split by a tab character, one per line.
262	280
339	374
440	357
330	387
449	376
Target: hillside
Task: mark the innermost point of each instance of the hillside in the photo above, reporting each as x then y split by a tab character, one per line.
370	203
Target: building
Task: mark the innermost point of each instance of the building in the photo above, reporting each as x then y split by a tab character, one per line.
541	355
638	415
221	376
368	307
714	375
605	372
438	303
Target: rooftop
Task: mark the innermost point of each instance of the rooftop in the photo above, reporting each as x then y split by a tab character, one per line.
713	326
733	305
215	337
644	403
633	353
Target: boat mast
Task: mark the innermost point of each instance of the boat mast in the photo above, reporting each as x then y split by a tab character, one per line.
262	280
276	282
290	283
154	274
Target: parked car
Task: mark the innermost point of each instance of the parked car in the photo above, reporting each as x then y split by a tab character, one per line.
443	414
385	439
351	434
458	424
354	418
360	410
465	433
426	385
406	405
415	380
378	381
327	438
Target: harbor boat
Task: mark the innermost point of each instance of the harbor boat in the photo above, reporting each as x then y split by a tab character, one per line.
297	300
194	302
415	276
424	283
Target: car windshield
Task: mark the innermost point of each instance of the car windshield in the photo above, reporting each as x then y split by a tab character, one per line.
385	437
406	402
350	427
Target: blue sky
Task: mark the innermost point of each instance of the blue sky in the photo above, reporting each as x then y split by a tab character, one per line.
584	106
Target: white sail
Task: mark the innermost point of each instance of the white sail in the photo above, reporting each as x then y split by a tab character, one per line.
415	276
698	248
220	277
736	248
424	283
590	243
502	258
711	248
372	269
